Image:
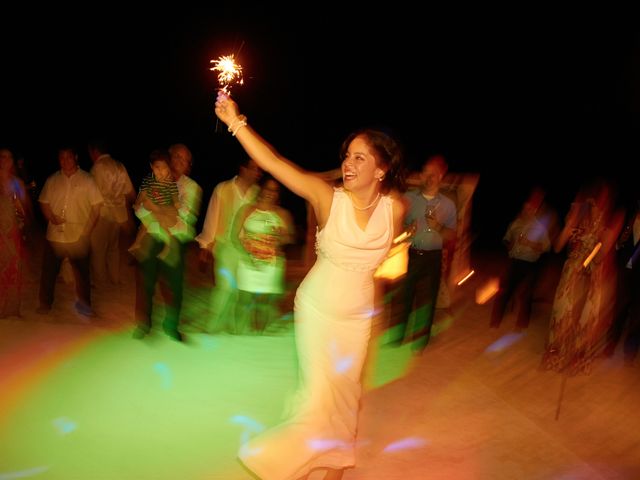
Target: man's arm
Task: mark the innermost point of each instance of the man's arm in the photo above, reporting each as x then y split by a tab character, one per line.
207	237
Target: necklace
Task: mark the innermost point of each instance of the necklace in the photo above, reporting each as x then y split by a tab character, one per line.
368	206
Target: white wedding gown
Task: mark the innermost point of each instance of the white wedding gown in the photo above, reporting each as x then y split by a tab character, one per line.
334	306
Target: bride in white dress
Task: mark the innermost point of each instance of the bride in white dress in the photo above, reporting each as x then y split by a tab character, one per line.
335	302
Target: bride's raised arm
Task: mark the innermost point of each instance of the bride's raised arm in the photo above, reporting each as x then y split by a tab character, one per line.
301	182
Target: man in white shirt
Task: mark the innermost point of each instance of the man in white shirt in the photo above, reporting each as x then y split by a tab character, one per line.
170	274
227	198
115	186
70	201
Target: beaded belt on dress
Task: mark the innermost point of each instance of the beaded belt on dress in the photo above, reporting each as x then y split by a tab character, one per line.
353	267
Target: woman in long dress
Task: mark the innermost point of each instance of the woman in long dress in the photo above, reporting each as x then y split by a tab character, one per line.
260	232
578	322
334	304
13	212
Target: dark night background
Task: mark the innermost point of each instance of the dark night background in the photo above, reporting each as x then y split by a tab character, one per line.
531	100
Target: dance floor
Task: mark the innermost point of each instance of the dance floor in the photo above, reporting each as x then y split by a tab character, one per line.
84	400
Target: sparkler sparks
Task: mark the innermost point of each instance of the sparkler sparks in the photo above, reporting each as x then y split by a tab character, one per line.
229	72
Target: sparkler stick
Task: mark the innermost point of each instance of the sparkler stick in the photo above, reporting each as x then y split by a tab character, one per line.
593	253
467	276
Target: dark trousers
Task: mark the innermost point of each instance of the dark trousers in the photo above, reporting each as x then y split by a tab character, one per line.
519	274
51	262
421	286
152	270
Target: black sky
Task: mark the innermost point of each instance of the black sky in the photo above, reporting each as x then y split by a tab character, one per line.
535	99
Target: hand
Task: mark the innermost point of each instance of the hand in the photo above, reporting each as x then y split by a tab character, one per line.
226	109
56	219
205	258
411	229
433	224
148	204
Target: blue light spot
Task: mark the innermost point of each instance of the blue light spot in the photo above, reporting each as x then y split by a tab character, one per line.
64	425
165	374
209	343
229	276
344	364
250	427
504	342
23	473
321	444
250	423
405	444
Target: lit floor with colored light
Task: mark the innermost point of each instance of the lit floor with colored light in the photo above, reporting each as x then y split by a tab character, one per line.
84	400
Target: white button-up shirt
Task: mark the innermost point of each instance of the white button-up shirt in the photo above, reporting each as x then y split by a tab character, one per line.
72	199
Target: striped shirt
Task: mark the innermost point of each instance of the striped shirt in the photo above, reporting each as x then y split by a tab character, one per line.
160	192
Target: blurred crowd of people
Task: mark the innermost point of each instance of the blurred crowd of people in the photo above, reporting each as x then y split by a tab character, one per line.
91	219
89	215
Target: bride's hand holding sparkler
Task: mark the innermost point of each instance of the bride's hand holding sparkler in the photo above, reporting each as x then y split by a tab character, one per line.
228	112
226	109
301	182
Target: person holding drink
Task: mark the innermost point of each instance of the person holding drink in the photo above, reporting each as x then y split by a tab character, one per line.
433	217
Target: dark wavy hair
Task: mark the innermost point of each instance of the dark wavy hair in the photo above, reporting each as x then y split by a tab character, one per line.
389	156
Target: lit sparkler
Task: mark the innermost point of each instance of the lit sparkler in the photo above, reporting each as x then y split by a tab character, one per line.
593	253
229	72
466	277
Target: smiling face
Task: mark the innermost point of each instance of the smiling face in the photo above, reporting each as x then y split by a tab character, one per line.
161	170
359	167
180	160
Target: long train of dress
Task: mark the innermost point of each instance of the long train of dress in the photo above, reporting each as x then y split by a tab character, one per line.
333	311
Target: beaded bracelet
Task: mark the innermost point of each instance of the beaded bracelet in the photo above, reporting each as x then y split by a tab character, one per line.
242	123
238	120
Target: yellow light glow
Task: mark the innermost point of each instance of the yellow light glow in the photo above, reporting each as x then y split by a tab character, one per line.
229	72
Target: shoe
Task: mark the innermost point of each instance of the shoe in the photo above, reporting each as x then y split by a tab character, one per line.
43	309
395	343
84	309
172	331
140	331
175	334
